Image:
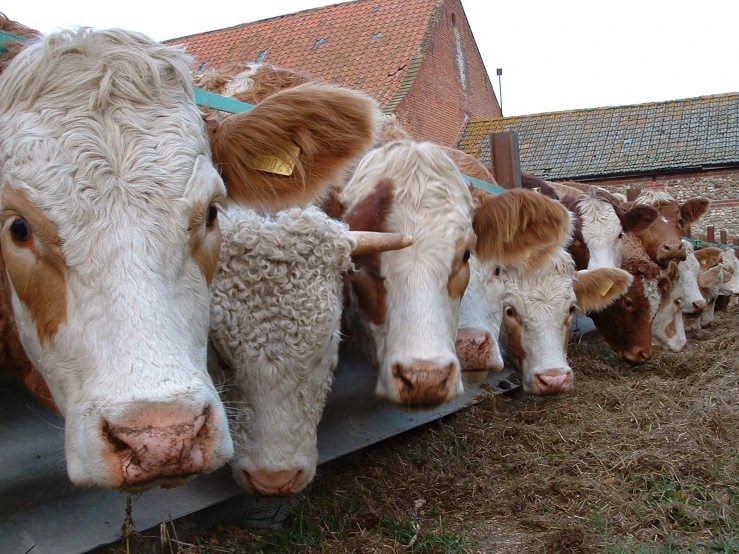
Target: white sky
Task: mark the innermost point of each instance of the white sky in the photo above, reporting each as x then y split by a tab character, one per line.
555	54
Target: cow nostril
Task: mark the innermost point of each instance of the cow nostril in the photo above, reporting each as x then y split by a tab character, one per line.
118	444
644	354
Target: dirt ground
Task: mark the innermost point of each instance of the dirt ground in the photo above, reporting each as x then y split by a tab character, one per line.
638	459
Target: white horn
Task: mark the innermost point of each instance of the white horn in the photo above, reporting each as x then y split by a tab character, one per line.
370	243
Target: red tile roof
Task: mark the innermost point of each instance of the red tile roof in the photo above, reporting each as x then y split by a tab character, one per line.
373	45
622	140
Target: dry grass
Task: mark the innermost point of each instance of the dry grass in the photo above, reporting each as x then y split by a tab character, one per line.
636	460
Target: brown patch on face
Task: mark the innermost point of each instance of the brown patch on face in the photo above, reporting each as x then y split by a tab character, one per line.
513	330
369	215
36	267
460	277
205	239
670	330
577	248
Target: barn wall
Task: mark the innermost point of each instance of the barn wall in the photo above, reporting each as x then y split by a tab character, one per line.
452	85
719	186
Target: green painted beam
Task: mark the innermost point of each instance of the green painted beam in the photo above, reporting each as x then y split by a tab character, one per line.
696	242
5	38
218	102
487	187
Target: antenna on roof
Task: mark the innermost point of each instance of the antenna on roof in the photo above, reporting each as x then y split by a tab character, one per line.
500	89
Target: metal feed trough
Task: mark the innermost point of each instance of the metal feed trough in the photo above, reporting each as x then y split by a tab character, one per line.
41	512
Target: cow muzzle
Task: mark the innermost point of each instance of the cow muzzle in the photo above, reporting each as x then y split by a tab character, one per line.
635	354
159	443
670	250
274	483
695	308
551	381
425	384
477	350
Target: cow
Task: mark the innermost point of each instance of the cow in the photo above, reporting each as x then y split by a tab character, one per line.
600	223
710	280
276	304
405	304
626	325
538	310
110	191
668	329
689	269
663	239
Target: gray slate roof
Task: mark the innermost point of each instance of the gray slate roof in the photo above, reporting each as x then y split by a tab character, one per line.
623	140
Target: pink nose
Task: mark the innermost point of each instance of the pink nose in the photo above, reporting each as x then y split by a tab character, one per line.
474	349
157	443
554	381
698	307
423	383
275	483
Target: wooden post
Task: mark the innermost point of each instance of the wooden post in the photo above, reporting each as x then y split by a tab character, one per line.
723	237
632	193
710	234
505	159
736	243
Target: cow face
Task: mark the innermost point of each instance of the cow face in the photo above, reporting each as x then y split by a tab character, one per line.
600	226
110	238
730	284
408	301
275	323
689	269
480	317
663	239
538	310
668	330
710	280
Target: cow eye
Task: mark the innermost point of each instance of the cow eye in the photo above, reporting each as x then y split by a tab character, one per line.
573	309
629	302
21	230
510	311
212	215
497	271
678	302
621	235
466	256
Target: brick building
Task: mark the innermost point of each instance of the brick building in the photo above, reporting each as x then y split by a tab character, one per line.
418	58
687	147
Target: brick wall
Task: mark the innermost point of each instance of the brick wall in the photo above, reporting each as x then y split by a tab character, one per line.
443	96
719	186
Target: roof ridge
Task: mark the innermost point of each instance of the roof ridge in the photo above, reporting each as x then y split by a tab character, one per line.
604	108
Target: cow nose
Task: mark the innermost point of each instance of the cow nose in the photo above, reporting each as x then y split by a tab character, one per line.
698	307
275	483
423	383
635	354
671	250
156	443
553	381
474	349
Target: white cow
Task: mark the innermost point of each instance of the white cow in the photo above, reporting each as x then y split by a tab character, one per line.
668	329
538	310
276	304
110	236
710	281
689	269
406	303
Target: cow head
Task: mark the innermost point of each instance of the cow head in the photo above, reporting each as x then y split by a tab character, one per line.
600	224
689	269
730	284
668	330
538	310
110	236
663	239
710	280
408	301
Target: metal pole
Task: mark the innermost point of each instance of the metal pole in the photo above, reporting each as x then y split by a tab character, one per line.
500	89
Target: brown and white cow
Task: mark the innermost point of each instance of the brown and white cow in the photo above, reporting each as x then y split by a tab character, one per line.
626	325
663	239
710	280
406	303
110	236
538	310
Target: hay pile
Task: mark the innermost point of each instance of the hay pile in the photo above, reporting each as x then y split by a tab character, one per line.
638	459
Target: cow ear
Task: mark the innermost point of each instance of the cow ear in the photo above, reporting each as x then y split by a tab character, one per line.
708	257
369	213
291	147
693	209
708	278
520	226
667	278
596	289
639	218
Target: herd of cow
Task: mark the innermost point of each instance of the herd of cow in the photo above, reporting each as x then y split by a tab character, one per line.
176	283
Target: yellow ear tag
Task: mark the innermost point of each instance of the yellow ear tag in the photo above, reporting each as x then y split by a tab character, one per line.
275	164
703	261
605	288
